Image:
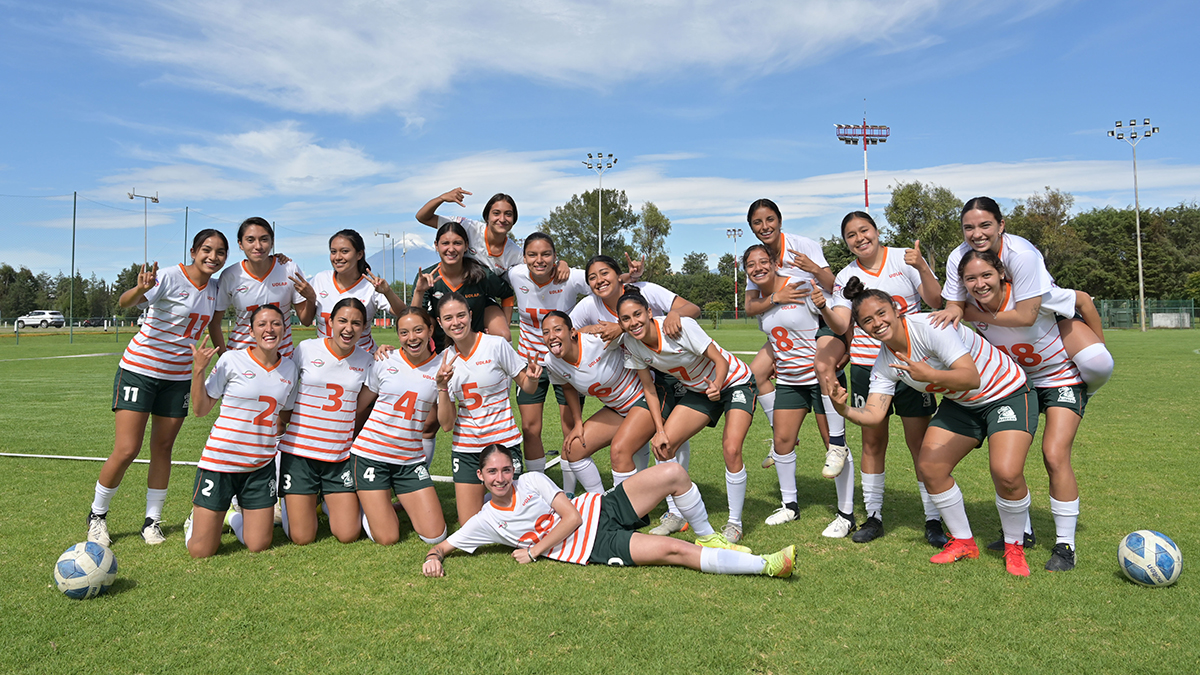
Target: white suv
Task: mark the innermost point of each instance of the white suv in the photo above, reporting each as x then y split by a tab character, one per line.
42	318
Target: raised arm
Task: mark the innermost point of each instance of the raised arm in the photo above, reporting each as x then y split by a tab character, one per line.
427	214
202	403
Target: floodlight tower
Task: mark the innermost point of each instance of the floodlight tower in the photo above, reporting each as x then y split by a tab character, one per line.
1132	140
600	164
146	199
854	134
383	252
734	233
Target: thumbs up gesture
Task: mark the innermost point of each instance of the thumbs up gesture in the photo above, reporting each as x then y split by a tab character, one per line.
913	257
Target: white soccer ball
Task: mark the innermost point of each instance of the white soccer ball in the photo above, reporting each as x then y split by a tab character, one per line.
85	570
1150	558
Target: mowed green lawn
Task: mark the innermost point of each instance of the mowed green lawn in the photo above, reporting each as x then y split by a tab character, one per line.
879	607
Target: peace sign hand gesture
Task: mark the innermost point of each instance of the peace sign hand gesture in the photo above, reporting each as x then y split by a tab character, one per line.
446	371
917	370
147	280
380	284
303	287
533	368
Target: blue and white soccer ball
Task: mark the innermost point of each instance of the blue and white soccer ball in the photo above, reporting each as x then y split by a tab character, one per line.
1150	558
85	570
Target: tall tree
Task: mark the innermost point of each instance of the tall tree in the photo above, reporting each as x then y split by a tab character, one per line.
573	226
928	213
726	264
650	241
126	280
1045	220
99	298
695	263
837	254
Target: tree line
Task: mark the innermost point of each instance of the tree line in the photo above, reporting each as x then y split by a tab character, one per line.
22	291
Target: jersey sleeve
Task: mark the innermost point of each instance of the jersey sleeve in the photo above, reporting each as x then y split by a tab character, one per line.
297	357
537	482
555	378
948	342
225	290
476	532
577	284
694	339
374	376
838	298
632	361
660	299
883	377
953	290
508	360
1030	278
293	270
162	288
220	375
582	314
810	248
496	287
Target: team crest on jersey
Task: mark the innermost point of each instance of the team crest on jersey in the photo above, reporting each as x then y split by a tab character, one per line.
437	295
324	294
392	370
242	289
1066	395
183	295
1006	414
981	326
648	360
347	479
249	374
739	396
422	472
523	289
317	363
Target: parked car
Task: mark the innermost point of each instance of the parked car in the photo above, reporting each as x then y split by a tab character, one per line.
42	318
92	323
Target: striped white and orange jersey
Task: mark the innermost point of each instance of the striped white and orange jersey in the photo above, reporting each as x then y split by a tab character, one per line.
600	372
243	437
535	301
792	245
1038	349
999	377
329	292
591	310
792	333
896	278
683	357
499	262
407	394
1026	269
529	518
480	386
245	292
325	401
177	313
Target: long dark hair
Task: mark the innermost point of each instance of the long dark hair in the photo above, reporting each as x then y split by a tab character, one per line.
857	215
989	256
755	247
202	235
452	296
351	302
983	204
473	270
763	203
356	242
500	197
255	220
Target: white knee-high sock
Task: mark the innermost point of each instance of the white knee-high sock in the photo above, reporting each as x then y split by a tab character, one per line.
954	512
1013	514
641	458
620	476
691	505
236	524
287	526
103	498
785	469
1095	365
155	499
684	455
538	465
724	561
931	512
1066	516
837	425
428	445
735	486
187	529
844	484
570	481
366	525
588	474
767	401
872	487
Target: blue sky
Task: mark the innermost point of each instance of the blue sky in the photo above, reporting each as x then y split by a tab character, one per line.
321	115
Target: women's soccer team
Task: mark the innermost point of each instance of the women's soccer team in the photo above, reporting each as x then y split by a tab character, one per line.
340	424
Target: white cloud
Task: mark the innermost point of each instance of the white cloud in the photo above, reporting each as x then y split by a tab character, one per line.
359	58
178	182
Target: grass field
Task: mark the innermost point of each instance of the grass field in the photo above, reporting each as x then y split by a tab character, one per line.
878	607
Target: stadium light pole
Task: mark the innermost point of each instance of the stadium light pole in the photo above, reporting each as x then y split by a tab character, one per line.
383	251
733	233
1132	140
146	199
404	259
855	134
600	163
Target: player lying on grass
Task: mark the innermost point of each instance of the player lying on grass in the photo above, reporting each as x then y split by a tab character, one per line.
984	396
537	519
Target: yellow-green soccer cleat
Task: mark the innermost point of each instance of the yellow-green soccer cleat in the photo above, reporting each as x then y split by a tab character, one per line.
780	564
718	540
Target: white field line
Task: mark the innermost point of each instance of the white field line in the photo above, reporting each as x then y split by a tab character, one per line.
70	356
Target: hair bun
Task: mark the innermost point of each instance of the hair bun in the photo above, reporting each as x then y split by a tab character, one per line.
853	288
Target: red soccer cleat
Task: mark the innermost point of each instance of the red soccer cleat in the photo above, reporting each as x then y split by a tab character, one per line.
1014	560
957	549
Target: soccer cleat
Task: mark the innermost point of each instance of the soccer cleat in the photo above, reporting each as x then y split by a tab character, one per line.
278	513
871	530
934	534
957	549
998	545
98	529
1062	558
841	526
187	529
732	532
718	540
784	514
780	564
228	515
769	461
1014	560
835	459
670	523
152	532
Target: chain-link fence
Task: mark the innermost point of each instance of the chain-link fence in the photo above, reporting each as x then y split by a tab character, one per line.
1159	313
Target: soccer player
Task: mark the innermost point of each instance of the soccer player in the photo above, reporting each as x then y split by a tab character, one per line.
237	460
579	362
351	278
530	514
717	383
983	229
457	273
402	396
984	396
791	329
259	280
802	258
1060	389
318	423
152	380
482	367
906	277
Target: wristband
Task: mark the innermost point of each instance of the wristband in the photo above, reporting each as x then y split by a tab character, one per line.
532	558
